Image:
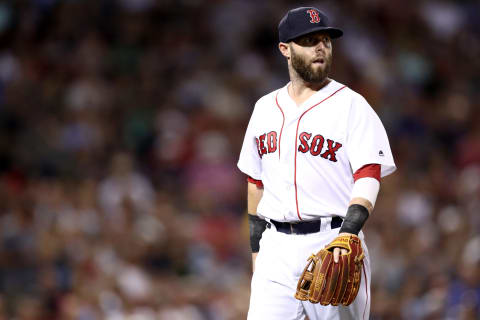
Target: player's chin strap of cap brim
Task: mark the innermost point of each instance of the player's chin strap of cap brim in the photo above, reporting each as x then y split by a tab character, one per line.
257	226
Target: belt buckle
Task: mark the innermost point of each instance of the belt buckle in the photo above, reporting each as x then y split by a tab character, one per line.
292	231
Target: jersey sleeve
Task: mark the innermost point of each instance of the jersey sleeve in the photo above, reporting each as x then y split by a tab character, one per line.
249	161
367	140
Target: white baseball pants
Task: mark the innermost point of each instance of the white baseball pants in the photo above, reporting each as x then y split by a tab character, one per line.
279	264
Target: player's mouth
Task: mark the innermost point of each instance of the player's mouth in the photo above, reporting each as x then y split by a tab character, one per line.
319	61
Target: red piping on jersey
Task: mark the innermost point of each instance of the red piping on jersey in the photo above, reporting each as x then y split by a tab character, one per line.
366	288
296	146
283	122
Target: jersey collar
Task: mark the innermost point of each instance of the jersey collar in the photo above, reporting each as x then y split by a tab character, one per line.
319	95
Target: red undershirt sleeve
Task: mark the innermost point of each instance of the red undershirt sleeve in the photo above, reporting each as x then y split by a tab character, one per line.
259	183
371	170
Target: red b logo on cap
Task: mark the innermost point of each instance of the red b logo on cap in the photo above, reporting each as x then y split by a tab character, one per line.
314	17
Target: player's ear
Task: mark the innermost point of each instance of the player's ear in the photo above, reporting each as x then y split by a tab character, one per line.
284	49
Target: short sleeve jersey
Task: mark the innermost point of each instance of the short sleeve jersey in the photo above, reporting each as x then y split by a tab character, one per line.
306	155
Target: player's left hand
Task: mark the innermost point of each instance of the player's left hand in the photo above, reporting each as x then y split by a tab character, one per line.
337	252
333	283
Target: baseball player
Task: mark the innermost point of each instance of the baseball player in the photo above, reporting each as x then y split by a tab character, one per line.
314	153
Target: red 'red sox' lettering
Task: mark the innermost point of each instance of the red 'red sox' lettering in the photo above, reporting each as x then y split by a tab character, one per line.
304	137
331	151
316	146
266	143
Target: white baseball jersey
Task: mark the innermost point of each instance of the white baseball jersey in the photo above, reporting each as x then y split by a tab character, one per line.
306	155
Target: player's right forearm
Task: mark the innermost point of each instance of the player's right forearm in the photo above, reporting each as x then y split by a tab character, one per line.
254	196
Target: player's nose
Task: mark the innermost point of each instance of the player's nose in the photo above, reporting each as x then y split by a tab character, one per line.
320	48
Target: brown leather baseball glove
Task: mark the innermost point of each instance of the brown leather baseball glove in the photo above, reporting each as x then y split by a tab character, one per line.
328	282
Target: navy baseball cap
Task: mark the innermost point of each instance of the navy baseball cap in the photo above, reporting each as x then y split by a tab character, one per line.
301	21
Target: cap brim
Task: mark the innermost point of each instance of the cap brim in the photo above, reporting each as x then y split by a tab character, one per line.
332	32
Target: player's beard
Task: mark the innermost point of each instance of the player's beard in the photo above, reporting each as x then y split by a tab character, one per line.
307	72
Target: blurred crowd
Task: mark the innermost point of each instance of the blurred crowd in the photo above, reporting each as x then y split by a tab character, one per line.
121	122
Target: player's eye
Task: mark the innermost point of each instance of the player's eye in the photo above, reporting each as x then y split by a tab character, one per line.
326	41
307	41
312	40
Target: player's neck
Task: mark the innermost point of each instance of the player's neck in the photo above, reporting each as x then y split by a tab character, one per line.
300	90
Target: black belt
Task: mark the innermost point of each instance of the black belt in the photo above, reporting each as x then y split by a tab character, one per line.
303	227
